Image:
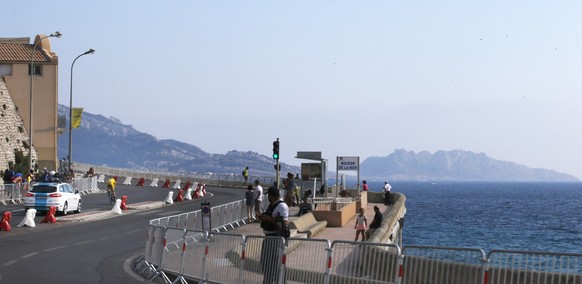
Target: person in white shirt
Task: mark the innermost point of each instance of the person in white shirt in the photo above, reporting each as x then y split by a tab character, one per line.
275	224
387	188
258	198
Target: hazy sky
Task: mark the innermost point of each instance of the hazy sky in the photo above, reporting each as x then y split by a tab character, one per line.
348	78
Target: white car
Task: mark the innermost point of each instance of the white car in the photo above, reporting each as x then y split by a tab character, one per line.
43	195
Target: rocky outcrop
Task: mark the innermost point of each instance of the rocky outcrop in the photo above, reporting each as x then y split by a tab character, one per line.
13	134
456	165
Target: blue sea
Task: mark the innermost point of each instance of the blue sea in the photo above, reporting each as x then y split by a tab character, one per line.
516	216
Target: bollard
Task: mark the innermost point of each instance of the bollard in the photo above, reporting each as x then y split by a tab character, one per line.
5	224
203	193
123	205
180	196
166	184
117	207
188	195
28	219
169	199
196	193
186	186
50	215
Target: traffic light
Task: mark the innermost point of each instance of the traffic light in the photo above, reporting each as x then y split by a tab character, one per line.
276	150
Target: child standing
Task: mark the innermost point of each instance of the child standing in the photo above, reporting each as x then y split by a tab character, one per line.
361	225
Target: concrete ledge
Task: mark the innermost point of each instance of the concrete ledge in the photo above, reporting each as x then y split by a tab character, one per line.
307	224
385	234
336	218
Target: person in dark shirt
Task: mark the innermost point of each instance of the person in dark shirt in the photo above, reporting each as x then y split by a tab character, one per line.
376	222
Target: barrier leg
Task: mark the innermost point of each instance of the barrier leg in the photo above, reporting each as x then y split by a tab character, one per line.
117	207
5	224
123	205
169	199
50	216
28	220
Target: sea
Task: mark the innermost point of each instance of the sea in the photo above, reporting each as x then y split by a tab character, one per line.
526	216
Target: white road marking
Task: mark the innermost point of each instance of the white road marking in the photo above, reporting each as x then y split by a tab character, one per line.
133	231
29	255
172	213
84	242
55	248
148	212
10	262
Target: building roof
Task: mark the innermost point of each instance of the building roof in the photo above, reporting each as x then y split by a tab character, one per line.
16	53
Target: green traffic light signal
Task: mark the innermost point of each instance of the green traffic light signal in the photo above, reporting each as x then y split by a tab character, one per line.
276	150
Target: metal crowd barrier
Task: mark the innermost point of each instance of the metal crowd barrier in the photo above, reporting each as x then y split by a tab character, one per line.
339	202
428	264
511	267
177	247
13	193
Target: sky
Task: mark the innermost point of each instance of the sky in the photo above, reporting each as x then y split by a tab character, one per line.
347	78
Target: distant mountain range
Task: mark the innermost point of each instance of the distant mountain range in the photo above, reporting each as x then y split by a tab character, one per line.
454	165
108	142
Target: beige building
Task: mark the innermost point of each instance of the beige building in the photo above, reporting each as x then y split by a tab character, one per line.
15	59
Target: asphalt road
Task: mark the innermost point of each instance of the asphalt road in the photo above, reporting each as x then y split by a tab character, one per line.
98	251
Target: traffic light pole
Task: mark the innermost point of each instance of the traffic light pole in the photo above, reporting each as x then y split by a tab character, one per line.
278	173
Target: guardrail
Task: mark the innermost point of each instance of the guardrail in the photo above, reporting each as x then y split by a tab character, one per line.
216	179
177	245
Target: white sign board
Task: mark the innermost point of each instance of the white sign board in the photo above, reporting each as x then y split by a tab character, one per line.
348	163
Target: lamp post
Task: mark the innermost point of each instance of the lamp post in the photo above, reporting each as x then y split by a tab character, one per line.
57	34
90	51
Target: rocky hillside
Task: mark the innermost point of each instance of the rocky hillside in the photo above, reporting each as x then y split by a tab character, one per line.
108	142
453	166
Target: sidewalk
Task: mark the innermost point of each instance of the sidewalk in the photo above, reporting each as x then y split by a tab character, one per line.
344	233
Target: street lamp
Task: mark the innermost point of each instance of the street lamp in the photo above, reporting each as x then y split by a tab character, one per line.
90	51
57	34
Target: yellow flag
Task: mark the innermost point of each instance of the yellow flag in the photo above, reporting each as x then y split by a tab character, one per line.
77	113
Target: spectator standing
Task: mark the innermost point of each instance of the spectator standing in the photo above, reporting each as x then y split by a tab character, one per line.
387	189
290	187
361	225
364	185
250	203
305	206
258	198
273	221
245	174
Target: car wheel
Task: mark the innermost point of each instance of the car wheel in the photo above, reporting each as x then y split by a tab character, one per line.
65	208
78	207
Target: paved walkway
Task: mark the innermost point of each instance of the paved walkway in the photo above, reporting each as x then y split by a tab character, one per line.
344	233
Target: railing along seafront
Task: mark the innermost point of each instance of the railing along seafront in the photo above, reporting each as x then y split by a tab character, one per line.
13	193
217	179
179	247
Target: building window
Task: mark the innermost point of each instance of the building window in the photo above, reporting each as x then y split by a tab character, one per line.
5	69
37	70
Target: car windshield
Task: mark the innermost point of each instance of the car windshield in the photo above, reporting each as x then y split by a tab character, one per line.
44	188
